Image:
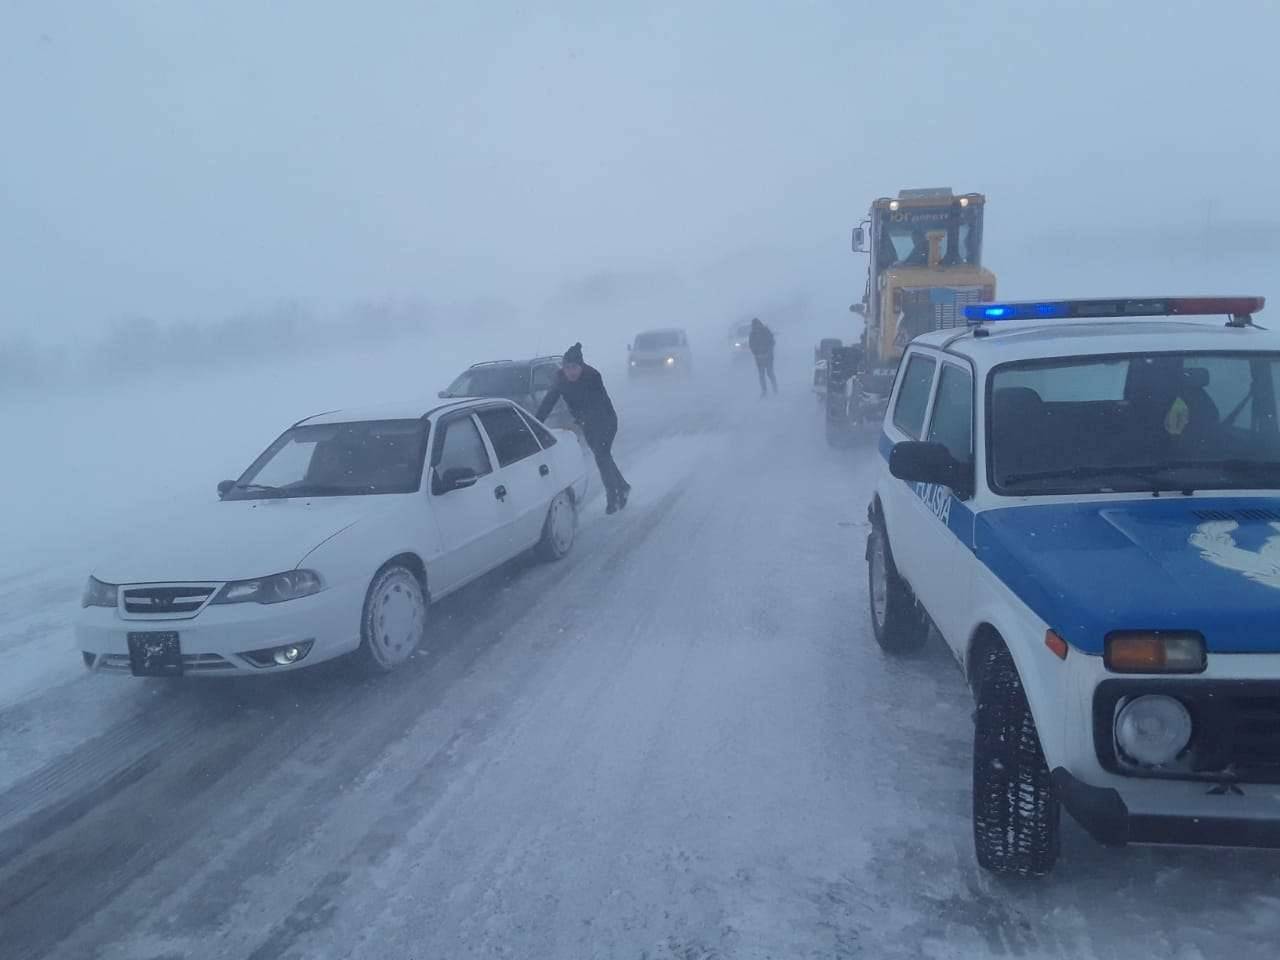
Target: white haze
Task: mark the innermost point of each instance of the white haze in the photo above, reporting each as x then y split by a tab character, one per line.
559	165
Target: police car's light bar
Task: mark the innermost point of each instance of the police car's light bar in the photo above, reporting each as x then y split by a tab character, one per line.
1128	307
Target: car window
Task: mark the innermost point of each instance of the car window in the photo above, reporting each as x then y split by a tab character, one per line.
292	461
357	458
913	395
1229	382
511	438
460	446
1090	380
545	436
491	381
657	340
544	376
952	422
1182	421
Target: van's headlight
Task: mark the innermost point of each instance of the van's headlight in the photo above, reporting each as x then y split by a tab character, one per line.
99	594
273	589
1154	651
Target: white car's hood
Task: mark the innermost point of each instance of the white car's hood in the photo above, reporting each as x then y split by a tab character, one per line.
235	539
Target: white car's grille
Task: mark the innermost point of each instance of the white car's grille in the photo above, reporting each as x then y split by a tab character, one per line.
168	600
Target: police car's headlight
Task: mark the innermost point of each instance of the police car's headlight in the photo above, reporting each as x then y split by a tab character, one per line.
1147	651
1153	729
671	361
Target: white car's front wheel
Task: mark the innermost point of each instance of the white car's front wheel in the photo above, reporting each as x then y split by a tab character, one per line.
395	619
561	527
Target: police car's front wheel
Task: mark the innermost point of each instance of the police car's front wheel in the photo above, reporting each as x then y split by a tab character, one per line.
895	619
1015	815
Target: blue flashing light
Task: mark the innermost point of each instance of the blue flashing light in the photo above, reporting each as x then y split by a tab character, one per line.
1016	311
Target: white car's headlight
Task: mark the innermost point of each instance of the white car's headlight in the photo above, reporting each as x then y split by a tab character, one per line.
273	589
99	594
671	361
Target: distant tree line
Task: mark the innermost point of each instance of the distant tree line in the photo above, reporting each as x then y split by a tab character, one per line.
138	344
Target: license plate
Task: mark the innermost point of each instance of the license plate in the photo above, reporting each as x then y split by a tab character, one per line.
155	655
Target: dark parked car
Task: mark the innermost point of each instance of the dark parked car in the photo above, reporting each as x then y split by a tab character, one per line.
524	381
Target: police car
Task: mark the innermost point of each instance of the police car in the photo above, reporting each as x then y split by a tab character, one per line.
1083	498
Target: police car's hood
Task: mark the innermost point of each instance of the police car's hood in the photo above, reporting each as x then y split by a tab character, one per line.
1168	563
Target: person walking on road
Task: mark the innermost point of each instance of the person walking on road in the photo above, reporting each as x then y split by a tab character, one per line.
761	341
583	391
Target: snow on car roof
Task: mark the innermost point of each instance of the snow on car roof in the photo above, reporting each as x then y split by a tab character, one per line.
1015	340
394	411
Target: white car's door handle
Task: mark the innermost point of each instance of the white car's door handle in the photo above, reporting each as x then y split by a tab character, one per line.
544	470
500	492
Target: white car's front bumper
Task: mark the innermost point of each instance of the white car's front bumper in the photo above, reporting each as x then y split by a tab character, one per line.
1216	806
215	641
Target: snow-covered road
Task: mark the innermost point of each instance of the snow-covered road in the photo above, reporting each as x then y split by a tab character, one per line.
681	742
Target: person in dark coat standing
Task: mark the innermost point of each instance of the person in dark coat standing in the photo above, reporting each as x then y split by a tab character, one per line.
761	342
582	389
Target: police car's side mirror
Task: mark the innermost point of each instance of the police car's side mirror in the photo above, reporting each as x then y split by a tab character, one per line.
917	461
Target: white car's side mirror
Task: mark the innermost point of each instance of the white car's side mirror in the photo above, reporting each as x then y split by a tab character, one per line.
455	478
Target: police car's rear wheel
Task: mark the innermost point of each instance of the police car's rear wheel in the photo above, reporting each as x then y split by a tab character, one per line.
1015	815
895	619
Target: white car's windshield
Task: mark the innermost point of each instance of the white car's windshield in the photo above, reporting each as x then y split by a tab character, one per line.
338	459
1169	421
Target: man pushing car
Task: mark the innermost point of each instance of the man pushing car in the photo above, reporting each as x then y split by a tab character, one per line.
583	391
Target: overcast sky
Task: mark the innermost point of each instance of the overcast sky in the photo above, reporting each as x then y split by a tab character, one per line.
187	160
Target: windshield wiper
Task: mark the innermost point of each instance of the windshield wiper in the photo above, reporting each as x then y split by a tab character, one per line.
1236	467
1147	473
1083	472
328	489
261	488
1151	472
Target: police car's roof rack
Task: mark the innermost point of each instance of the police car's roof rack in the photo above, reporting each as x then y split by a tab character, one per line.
1238	310
489	363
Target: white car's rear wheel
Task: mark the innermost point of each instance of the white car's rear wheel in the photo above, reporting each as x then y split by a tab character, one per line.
395	619
561	527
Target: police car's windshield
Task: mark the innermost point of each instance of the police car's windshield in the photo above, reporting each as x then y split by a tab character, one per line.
338	459
1172	421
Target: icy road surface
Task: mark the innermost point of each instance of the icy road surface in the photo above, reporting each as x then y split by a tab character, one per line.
680	744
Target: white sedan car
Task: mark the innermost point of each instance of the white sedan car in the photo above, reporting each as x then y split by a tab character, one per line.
336	540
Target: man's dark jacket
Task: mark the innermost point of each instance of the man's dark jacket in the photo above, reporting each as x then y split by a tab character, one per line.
587	400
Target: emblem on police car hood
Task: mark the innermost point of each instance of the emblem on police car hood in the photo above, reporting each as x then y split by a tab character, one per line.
1216	544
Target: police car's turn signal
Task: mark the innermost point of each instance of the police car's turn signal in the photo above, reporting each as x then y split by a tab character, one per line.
1154	652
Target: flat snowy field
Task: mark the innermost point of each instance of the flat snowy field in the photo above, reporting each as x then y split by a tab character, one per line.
681	743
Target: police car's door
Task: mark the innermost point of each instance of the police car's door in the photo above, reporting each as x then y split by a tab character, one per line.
912	529
945	591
